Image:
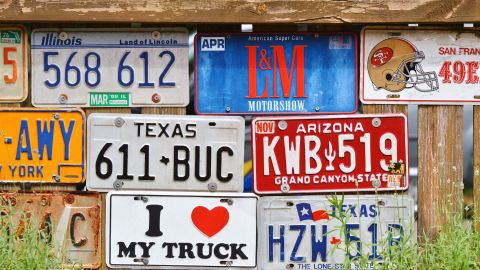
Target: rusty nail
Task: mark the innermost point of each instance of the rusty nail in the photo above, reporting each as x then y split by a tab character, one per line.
69	199
44	201
62	99
155	98
228	201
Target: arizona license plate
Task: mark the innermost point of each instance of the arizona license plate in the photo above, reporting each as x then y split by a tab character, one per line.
287	73
44	145
302	232
110	67
330	154
176	230
70	221
14	69
158	152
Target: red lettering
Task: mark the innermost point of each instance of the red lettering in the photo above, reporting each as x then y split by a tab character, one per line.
286	79
472	69
445	72
252	74
459	70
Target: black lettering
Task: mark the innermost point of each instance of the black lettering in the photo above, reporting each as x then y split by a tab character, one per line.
170	247
191	133
163	130
220	177
154	211
146	249
237	251
201	253
73	220
139	125
217	253
177	131
127	251
184	249
177	161
208	163
149	130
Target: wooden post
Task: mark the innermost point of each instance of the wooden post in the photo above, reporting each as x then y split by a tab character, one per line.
476	166
440	166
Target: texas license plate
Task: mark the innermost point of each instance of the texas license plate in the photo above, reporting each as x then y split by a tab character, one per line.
161	152
301	232
14	69
179	230
330	154
69	221
283	73
110	67
44	145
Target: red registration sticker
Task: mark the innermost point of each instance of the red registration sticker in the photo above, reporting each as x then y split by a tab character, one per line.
330	154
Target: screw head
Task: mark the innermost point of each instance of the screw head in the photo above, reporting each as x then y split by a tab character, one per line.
155	98
282	125
156	35
227	109
56	178
376	183
69	199
212	187
317	108
62	99
43	201
56	116
376	122
118	122
117	184
285	188
62	35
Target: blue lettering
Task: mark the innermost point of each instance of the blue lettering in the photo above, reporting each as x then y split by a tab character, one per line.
67	136
352	210
394	240
319	246
363	211
301	229
352	238
276	240
45	138
373	210
24	134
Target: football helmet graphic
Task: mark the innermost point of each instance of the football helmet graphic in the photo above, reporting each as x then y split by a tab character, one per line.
394	64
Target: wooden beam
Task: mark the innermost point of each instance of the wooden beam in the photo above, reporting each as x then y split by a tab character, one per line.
476	166
440	166
242	11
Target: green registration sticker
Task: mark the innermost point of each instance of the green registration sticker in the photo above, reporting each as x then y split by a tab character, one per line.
10	36
110	99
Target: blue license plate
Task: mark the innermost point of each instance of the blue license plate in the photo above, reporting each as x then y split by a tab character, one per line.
288	73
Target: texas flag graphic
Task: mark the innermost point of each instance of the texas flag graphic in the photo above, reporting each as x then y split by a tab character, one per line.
304	211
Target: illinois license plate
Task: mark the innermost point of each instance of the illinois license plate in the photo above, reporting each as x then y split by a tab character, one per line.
175	230
14	69
161	152
110	67
45	145
301	232
252	73
330	154
70	221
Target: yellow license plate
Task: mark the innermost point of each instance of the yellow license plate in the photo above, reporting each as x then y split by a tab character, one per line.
42	145
13	64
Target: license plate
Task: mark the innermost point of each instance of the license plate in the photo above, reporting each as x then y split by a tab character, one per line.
420	66
110	67
288	73
300	232
14	70
330	154
71	221
45	145
158	152
175	230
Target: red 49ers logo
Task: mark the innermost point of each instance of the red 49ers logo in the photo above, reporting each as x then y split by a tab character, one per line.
381	56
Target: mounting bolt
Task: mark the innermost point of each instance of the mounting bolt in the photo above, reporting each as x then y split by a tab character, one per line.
212	187
156	35
56	178
282	125
117	184
227	109
118	122
63	36
285	188
317	108
69	199
155	98
62	99
376	183
376	122
56	116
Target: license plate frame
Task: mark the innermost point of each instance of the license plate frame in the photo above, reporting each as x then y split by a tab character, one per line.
223	135
190	213
149	67
335	173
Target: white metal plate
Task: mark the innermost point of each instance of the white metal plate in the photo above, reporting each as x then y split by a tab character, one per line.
176	225
178	152
446	61
299	215
136	67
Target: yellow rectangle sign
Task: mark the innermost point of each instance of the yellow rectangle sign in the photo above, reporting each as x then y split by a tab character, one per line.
42	145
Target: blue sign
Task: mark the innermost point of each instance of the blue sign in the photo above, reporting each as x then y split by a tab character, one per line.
297	73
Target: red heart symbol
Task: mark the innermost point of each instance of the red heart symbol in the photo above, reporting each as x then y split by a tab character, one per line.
210	222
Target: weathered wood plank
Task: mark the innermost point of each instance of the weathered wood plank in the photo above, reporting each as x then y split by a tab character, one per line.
440	166
383	108
476	165
242	11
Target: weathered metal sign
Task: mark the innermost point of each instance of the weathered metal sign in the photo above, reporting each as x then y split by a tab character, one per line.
422	66
165	152
70	221
181	230
43	145
330	153
14	69
305	232
283	73
110	67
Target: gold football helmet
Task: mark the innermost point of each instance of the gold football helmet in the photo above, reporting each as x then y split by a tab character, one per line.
394	64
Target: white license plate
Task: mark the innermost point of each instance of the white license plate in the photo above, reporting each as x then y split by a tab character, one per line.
110	67
178	230
300	232
158	152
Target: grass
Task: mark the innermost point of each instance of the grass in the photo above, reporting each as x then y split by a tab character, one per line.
24	245
456	247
